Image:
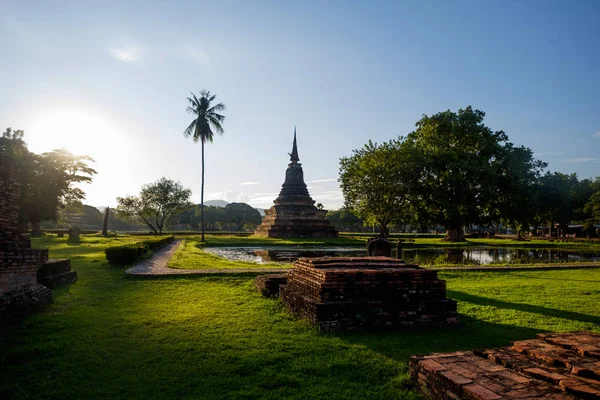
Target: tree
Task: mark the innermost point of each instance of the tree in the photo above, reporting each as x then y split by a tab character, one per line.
517	188
105	222
373	183
47	181
156	203
206	118
344	220
557	192
241	214
457	163
592	207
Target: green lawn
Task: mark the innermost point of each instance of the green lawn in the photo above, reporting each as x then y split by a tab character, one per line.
213	337
191	256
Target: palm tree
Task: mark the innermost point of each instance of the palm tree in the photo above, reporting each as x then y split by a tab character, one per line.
206	119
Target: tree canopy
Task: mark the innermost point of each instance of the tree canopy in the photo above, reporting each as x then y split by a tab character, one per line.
452	170
156	202
48	181
374	183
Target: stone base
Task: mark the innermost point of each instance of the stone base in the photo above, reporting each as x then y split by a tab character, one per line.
268	285
553	366
18	304
55	273
345	293
295	221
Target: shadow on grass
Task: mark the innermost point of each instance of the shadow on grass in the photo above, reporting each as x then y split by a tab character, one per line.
555	279
471	334
550	312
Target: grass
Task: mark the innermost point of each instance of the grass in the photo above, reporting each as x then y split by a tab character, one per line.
213	337
191	256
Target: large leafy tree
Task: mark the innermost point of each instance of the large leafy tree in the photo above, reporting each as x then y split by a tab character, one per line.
48	181
373	181
459	169
207	121
156	203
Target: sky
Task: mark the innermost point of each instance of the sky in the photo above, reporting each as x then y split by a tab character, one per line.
110	79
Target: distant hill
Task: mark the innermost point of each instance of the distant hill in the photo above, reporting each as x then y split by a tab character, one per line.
216	203
223	203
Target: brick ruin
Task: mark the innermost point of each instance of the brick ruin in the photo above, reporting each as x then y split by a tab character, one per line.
355	293
20	291
552	366
268	285
294	213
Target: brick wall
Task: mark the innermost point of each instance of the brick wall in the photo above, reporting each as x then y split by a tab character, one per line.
20	293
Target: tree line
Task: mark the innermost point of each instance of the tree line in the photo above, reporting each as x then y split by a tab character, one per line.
166	203
454	171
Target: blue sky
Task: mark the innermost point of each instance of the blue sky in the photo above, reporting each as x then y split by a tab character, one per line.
111	80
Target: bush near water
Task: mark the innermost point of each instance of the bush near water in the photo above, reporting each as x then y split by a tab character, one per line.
129	253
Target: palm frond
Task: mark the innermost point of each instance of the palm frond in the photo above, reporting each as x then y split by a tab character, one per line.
208	121
217	107
218	117
216	123
190	130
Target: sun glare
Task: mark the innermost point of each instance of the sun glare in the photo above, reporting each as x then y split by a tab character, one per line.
76	131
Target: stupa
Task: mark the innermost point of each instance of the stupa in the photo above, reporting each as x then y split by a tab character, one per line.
294	213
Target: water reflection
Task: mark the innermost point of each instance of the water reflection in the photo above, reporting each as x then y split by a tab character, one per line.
454	255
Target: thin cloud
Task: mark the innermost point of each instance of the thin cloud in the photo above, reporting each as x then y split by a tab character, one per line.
548	153
249	183
324	180
597	134
581	160
128	54
199	56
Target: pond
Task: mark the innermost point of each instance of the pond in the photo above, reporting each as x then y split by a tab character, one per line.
428	256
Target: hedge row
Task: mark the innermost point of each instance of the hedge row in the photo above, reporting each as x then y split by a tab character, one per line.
128	253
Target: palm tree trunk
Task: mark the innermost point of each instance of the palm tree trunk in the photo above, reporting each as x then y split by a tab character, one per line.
202	193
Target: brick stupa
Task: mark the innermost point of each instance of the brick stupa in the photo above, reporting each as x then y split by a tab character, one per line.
294	213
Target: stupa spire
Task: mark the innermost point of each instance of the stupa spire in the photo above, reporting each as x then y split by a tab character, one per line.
294	153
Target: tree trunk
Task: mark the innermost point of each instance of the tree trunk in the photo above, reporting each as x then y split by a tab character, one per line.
36	230
384	231
454	235
105	224
202	193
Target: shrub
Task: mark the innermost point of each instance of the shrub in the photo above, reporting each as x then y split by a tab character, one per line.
127	254
153	244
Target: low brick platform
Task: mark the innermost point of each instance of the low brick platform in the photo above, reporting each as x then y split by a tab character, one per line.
268	285
56	272
553	366
350	293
